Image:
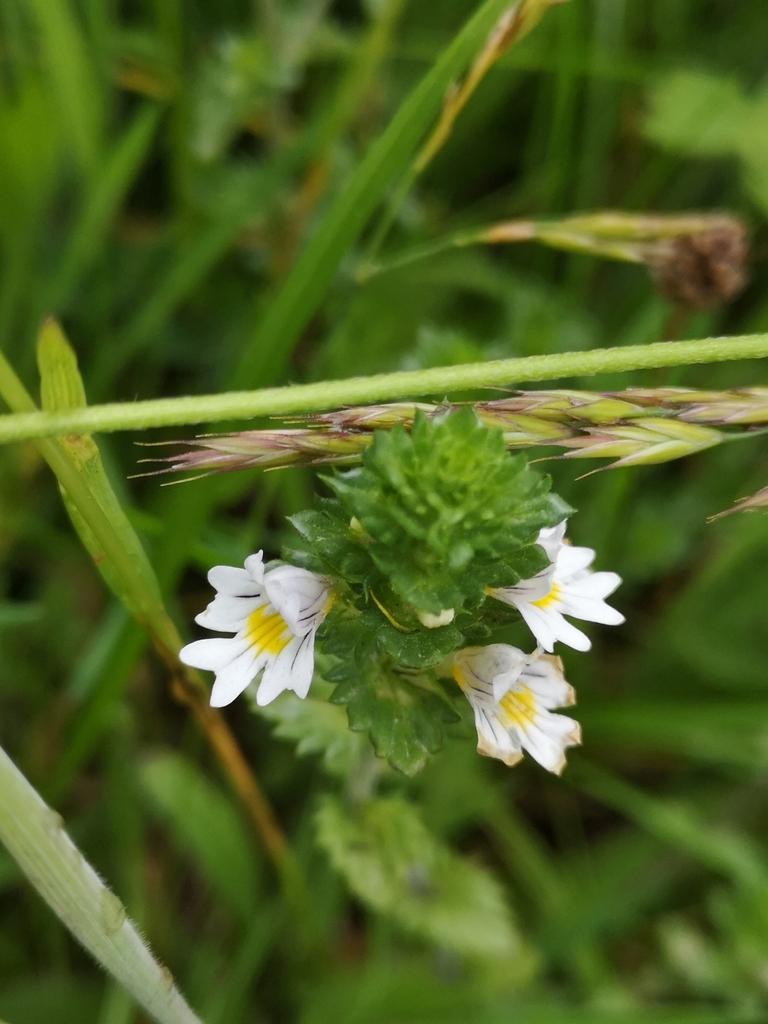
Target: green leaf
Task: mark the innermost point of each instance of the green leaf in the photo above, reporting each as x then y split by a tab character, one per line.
329	543
392	862
420	648
404	714
317	726
445	511
206	827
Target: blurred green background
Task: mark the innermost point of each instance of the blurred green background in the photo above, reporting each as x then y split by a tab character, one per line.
162	163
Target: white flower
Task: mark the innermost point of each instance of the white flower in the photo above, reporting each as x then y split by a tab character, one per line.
567	586
511	694
274	615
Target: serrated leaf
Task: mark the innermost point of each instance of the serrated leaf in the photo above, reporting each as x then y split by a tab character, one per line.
392	862
404	715
390	630
330	544
317	726
419	648
206	827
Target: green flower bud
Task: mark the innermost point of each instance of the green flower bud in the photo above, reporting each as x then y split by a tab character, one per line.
447	510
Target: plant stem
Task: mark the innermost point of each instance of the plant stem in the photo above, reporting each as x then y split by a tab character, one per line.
36	839
301	398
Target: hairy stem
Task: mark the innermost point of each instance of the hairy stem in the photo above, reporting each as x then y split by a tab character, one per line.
36	839
301	398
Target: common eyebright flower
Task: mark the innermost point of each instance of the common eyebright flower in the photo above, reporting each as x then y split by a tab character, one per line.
567	586
512	694
274	614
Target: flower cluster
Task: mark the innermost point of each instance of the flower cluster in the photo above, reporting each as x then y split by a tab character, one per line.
415	552
274	615
512	694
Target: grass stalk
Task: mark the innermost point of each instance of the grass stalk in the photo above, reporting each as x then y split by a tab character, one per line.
36	839
302	398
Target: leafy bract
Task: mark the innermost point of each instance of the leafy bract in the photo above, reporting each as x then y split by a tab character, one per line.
381	676
330	544
404	716
317	726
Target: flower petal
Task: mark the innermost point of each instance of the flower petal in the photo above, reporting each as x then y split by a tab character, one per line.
489	671
521	719
226	579
212	654
299	595
572	560
549	626
235	677
543	675
254	566
540	623
292	669
548	737
595	584
531	590
228	614
551	539
493	740
583	598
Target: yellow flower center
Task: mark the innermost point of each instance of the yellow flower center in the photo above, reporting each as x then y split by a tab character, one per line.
549	598
519	706
267	631
459	676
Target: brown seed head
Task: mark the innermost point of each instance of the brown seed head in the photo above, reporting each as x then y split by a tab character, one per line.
702	269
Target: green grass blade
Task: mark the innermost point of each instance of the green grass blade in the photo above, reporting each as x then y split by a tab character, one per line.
266	350
717	847
100	204
91	502
72	77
